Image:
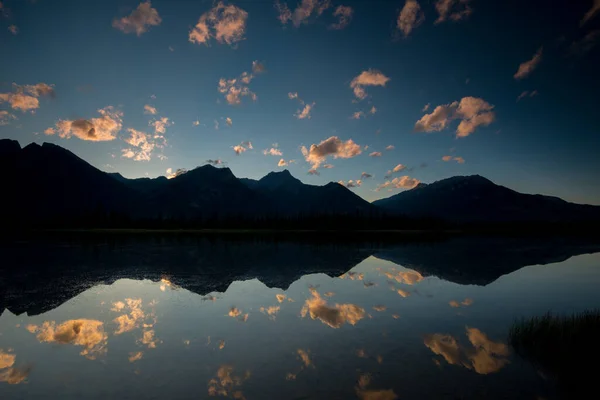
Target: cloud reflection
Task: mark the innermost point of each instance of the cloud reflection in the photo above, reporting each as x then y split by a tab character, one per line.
466	302
484	357
334	316
369	394
225	383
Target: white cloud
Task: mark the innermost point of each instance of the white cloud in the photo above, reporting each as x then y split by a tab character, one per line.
104	128
226	24
375	154
228	121
148	109
292	96
471	111
410	17
273	151
143	146
344	15
426	107
305	112
139	21
242	147
398	168
390	147
402	182
282	163
160	125
6	117
358	115
333	146
452	9
303	11
196	122
527	67
13	29
367	78
591	12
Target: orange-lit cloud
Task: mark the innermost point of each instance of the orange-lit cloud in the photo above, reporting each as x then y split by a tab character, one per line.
591	13
100	129
6	117
459	160
242	147
148	109
87	333
333	146
14	376
237	88
270	311
484	356
528	66
370	77
527	93
273	151
304	113
304	356
351	183
466	302
365	175
139	21
224	23
334	316
402	182
25	98
344	16
410	17
370	394
452	9
303	12
13	29
379	308
143	146
472	112
133	357
375	154
225	383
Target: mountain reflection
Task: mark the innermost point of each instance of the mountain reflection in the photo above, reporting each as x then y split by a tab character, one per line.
484	356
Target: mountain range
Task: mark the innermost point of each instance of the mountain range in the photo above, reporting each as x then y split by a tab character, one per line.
49	183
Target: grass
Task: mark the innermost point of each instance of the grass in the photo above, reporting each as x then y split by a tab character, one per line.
564	348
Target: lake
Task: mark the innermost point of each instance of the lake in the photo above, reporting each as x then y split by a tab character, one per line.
324	317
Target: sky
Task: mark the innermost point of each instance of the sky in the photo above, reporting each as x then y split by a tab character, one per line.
378	95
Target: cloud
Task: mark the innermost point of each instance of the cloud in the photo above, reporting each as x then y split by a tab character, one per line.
143	146
148	109
351	183
170	174
235	89
303	11
591	13
459	160
410	17
580	47
13	29
273	151
471	111
375	154
160	125
25	97
226	24
282	163
305	112
484	356
333	146
139	21
344	15
358	115
399	168
228	121
14	376
327	166
453	9
370	77
258	67
402	182
292	96
365	175
242	147
100	129
6	117
527	67
87	333
196	123
370	394
426	107
527	93
333	317
215	162
313	172
373	110
271	311
466	302
390	147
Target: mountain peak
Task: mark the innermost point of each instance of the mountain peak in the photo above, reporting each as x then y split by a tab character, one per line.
277	179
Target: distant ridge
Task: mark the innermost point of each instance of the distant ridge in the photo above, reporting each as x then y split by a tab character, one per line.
50	186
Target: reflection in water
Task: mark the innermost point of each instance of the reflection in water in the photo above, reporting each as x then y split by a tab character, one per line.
403	293
235	312
79	332
225	384
133	357
270	311
466	302
305	358
334	316
407	277
369	394
8	373
484	357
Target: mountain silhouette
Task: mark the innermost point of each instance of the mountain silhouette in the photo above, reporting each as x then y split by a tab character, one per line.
477	199
49	186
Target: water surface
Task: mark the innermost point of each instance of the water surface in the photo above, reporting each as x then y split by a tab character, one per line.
164	317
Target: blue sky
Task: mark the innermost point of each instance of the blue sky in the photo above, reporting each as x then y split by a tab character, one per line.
461	57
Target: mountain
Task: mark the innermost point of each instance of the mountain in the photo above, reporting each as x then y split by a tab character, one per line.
477	199
289	196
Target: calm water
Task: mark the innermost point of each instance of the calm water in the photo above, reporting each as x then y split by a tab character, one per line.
185	317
